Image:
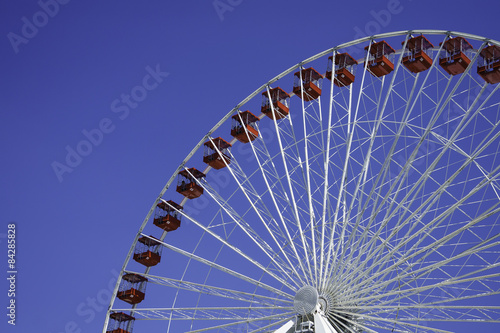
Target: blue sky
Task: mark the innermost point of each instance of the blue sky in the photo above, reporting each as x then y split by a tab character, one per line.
66	80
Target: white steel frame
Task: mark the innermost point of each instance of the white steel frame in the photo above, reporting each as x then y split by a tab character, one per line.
389	206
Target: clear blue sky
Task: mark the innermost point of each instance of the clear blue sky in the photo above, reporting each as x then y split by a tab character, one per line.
188	65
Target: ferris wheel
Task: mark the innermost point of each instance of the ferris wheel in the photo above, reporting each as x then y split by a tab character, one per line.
357	191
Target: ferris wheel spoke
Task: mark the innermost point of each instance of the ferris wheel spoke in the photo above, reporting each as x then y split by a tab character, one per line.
406	293
291	191
410	104
438	313
410	235
215	291
287	321
399	179
435	196
444	313
249	321
226	270
254	199
449	283
379	114
317	178
439	109
415	251
404	169
264	211
274	196
397	322
210	313
487	313
302	190
357	196
422	272
472	297
307	181
387	328
267	221
317	209
381	177
261	244
326	201
341	323
451	292
341	248
330	257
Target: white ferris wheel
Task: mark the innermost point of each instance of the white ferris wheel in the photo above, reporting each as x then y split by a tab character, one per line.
357	191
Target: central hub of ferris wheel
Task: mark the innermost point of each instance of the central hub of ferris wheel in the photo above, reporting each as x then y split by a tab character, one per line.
306	300
312	309
315	310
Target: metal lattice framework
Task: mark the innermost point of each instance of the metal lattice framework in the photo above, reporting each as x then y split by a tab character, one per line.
381	197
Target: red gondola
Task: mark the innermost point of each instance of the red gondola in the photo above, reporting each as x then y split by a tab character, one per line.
378	61
280	101
132	288
244	126
167	216
186	183
344	69
147	251
455	61
311	84
416	58
120	323
489	68
217	153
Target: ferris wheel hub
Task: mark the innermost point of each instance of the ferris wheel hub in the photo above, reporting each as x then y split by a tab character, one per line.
306	300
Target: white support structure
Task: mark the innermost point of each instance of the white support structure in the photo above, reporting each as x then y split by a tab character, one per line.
379	211
321	325
287	328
